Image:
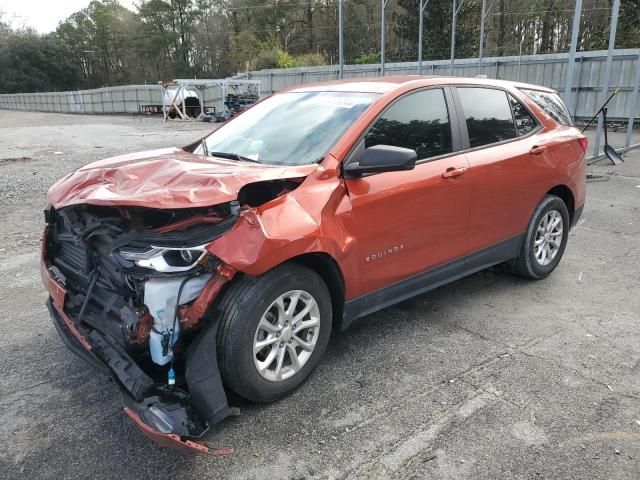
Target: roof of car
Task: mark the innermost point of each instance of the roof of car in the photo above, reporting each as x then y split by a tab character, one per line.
387	84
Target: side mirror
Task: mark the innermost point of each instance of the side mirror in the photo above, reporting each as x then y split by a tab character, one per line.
382	158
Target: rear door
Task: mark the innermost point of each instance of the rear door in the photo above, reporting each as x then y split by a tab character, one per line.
507	169
412	221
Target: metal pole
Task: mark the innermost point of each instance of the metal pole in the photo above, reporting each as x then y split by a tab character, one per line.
341	38
607	70
420	30
520	58
164	103
634	104
453	35
453	31
568	82
482	15
383	3
423	6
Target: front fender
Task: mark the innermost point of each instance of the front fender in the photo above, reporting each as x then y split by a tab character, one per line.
313	219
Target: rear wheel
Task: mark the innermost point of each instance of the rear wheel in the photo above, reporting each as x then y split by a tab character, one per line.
545	239
274	331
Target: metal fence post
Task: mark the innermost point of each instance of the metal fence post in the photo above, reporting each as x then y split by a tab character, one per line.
483	17
341	37
607	71
453	31
520	58
453	35
384	5
578	87
568	83
634	104
423	6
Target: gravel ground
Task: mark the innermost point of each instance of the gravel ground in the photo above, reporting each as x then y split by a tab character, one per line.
491	377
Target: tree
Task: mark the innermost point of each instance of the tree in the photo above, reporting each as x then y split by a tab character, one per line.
437	28
108	44
30	63
102	38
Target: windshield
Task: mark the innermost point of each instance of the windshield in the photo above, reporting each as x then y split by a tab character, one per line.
289	128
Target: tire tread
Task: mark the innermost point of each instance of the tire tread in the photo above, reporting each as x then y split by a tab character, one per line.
235	308
523	264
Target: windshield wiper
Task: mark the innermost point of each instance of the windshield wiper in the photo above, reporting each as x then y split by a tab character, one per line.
231	156
205	149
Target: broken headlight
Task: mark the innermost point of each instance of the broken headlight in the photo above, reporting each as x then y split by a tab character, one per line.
163	259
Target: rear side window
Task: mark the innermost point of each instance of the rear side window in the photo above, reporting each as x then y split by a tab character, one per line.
525	123
419	121
487	114
551	104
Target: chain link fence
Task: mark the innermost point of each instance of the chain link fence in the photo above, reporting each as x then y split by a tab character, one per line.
588	85
548	70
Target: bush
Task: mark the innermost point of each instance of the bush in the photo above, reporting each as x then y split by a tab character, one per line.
312	59
277	58
267	59
367	58
286	60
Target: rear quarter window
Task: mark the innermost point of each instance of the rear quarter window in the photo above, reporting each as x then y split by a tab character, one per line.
525	123
551	104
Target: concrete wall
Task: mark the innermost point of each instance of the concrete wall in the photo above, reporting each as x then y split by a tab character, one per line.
548	70
124	99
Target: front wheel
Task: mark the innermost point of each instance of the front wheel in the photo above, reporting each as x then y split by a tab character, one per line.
545	239
274	331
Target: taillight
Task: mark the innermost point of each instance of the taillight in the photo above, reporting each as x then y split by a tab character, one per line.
584	142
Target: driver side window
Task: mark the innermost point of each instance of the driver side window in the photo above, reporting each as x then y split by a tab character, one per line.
419	121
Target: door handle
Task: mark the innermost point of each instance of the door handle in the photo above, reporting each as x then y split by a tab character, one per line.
537	149
453	172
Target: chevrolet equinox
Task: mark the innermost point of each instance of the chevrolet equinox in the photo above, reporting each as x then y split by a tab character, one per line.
188	273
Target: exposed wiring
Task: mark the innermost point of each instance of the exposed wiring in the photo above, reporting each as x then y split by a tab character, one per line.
175	320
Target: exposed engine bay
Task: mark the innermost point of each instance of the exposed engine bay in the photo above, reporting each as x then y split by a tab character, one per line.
117	263
133	288
131	275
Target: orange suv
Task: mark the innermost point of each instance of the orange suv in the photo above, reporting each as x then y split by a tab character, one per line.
225	265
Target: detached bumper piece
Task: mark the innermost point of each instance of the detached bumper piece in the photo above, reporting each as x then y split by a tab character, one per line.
169	416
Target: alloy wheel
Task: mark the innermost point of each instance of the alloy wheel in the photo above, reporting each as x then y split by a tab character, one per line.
548	237
286	335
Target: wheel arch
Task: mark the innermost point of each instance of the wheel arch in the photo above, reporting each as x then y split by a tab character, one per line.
566	195
326	266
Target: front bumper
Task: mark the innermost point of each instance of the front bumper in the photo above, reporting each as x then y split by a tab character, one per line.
167	416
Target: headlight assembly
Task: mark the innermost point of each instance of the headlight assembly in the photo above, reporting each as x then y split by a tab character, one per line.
167	260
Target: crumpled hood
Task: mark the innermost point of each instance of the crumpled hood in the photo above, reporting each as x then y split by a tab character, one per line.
167	178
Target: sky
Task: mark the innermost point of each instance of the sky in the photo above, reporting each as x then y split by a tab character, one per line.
43	15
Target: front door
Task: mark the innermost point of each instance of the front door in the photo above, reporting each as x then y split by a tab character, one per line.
412	221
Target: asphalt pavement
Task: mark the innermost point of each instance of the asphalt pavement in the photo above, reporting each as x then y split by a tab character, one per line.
491	377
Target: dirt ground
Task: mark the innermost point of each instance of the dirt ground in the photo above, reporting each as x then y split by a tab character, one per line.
492	377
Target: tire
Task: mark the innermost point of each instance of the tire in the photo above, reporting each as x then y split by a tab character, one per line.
527	263
241	311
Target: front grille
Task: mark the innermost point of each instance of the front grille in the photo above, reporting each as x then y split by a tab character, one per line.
77	262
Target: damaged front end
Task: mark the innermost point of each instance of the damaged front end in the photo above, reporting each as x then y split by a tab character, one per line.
129	291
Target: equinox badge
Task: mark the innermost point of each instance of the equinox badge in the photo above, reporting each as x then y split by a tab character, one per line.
384	253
